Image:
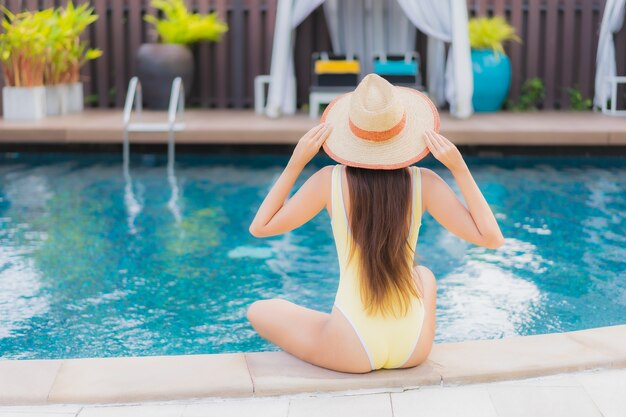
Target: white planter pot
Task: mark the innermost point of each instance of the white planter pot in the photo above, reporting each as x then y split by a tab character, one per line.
24	103
75	101
56	99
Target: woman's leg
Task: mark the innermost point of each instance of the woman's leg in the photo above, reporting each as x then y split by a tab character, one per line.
308	335
425	341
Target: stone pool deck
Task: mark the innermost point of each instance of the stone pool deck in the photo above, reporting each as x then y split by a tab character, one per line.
595	393
167	378
235	127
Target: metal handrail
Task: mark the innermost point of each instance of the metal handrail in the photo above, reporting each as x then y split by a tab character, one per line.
132	205
177	101
175	114
134	94
176	109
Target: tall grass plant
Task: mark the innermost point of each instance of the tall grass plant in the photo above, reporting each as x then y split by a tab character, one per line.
44	47
180	26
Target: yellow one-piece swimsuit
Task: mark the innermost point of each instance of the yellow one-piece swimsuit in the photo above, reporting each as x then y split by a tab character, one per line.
388	340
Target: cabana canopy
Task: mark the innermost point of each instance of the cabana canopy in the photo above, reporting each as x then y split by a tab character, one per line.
358	27
612	22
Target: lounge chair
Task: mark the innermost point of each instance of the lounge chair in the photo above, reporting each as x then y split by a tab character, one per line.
402	70
332	76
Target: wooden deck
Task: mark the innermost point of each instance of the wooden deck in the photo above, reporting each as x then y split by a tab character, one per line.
234	127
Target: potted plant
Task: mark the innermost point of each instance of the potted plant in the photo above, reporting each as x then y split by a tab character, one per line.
55	34
22	52
158	64
491	67
66	54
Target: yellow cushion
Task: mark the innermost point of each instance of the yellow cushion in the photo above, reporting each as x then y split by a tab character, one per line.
337	67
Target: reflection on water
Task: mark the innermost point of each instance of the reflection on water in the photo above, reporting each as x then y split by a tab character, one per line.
19	293
483	299
97	260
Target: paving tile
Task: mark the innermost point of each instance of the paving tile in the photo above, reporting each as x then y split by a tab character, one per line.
377	405
36	414
27	381
259	407
524	401
446	401
51	409
134	411
607	389
513	358
280	373
562	380
610	340
130	379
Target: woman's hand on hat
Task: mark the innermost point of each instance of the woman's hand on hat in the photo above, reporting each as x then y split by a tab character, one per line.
444	151
309	145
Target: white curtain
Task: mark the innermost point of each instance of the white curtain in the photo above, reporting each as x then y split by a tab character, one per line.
365	28
357	27
281	97
612	22
278	99
303	8
445	21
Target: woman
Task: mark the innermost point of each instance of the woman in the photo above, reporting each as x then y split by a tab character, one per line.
384	311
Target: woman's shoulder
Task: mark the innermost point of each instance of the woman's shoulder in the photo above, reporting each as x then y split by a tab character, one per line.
432	185
325	172
322	176
328	169
427	175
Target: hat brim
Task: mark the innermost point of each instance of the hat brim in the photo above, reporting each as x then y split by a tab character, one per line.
400	151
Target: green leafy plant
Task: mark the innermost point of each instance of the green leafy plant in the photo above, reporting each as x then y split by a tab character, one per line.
72	53
532	95
44	47
490	33
576	100
180	26
22	49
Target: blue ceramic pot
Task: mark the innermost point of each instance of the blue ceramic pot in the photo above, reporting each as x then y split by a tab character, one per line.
492	78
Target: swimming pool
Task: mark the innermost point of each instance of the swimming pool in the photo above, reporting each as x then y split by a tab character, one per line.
93	265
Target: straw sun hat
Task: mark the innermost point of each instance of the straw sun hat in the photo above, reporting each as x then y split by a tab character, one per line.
379	126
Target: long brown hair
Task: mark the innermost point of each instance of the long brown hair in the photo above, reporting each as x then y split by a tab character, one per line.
380	217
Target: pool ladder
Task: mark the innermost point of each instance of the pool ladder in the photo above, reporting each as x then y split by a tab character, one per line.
176	110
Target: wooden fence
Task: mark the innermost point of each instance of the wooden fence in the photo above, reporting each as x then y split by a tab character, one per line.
559	45
224	71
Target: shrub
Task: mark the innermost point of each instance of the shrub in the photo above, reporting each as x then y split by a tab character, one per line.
576	100
68	53
180	26
490	33
23	49
531	97
44	47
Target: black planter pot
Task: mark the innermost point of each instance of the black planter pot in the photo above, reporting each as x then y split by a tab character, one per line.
157	66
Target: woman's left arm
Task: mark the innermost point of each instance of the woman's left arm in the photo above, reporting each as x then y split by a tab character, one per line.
277	215
476	223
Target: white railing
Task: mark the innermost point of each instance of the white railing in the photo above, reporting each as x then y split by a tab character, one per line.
612	83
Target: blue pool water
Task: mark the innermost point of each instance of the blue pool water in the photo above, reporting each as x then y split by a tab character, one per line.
94	265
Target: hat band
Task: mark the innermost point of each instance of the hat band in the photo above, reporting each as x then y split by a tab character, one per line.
378	136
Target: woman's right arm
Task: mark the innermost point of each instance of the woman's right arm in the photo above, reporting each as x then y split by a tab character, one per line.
474	223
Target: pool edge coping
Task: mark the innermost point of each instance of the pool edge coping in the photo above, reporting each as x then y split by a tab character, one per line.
186	377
